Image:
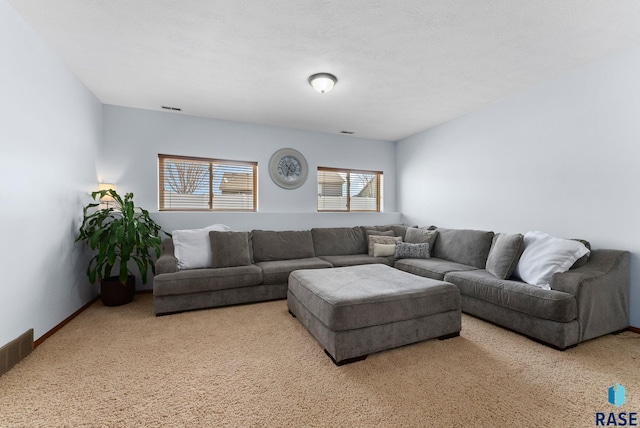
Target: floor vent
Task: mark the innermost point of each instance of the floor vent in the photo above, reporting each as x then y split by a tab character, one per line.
16	350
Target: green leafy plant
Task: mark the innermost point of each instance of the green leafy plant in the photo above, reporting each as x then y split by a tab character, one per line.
121	232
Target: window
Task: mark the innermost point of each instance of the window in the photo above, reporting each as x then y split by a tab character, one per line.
200	184
348	190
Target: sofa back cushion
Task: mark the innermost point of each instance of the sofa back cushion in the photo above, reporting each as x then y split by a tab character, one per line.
281	245
397	229
468	247
339	241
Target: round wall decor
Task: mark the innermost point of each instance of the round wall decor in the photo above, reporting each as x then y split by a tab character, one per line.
288	168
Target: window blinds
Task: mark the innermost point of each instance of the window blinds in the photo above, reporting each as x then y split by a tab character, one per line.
348	190
201	184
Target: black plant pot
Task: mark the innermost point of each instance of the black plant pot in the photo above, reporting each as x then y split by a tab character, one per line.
114	293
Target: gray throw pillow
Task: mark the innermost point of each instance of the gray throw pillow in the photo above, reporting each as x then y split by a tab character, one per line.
405	250
399	229
421	236
504	254
373	239
229	249
374	232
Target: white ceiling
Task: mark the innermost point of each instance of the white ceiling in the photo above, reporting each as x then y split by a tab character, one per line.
402	66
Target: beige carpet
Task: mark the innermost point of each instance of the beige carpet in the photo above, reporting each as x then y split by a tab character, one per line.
256	366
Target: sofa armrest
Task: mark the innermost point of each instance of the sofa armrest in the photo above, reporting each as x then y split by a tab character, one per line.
601	288
167	262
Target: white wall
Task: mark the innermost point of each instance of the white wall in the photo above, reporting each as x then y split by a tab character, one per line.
134	138
50	130
561	157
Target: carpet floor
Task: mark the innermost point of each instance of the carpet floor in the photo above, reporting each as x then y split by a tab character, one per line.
256	366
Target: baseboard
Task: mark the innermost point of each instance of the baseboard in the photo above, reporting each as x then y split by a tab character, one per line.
13	352
634	329
72	316
63	323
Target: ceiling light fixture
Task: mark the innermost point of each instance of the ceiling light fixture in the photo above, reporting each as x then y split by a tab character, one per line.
322	82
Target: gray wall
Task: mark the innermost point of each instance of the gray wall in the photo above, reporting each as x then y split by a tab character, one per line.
50	132
133	139
561	157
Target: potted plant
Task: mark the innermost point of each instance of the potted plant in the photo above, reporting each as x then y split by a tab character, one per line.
120	233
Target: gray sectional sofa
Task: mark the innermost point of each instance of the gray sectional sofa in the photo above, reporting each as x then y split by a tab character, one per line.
589	300
272	256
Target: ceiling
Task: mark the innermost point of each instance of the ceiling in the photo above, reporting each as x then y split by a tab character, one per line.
402	66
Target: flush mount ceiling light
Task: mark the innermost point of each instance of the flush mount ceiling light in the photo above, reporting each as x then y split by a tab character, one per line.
322	82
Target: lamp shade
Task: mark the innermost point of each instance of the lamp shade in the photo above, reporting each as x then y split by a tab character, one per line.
323	82
106	186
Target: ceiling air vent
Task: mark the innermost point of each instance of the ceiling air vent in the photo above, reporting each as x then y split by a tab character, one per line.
171	108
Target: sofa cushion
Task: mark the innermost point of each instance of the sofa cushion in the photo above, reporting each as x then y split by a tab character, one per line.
277	271
281	245
547	304
374	239
338	241
356	259
419	236
504	254
378	232
378	228
199	280
397	229
468	247
545	255
229	249
430	268
373	232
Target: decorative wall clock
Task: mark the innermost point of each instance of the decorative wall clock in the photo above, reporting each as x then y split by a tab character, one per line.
288	168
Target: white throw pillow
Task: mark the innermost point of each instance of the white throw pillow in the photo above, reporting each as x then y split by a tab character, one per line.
384	250
544	256
192	247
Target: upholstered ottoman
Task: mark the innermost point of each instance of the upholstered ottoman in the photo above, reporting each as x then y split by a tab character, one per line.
357	310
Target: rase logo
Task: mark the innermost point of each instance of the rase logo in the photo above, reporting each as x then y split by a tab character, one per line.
615	397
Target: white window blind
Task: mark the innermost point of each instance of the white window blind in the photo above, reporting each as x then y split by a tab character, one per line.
348	190
201	184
